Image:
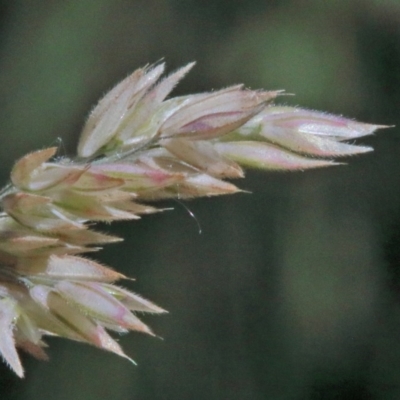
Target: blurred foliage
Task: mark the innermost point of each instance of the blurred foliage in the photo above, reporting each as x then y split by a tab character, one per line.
292	292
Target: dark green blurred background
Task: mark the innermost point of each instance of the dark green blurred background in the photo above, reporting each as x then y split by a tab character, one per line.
292	292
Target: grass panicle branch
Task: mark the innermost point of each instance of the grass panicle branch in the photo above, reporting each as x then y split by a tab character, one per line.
137	146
